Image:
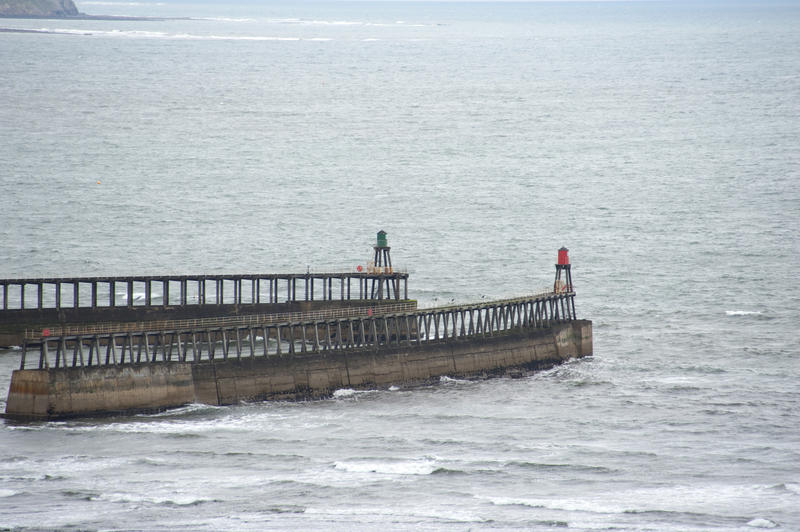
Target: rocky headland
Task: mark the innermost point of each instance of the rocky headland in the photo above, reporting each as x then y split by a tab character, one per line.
38	8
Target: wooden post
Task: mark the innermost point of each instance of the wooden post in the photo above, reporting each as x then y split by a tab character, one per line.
238	342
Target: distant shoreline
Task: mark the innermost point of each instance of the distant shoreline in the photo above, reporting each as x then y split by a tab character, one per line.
92	17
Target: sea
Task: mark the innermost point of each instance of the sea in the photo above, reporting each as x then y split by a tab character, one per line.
659	141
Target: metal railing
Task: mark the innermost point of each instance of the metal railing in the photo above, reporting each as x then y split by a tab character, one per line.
221	321
183	290
376	331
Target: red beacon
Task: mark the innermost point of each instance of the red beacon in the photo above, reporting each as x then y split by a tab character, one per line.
563	285
563	257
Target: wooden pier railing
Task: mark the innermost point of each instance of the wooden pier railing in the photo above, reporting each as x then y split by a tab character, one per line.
298	338
183	290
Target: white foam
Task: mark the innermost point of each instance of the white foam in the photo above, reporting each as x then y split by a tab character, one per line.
193	407
349	392
406	467
226	19
7	493
743	312
570	505
137	34
759	522
176	499
794	488
127	4
445	379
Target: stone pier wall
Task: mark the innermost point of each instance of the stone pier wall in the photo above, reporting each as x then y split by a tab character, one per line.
68	392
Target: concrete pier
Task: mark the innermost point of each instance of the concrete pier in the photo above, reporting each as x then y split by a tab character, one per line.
41	303
55	393
153	370
303	347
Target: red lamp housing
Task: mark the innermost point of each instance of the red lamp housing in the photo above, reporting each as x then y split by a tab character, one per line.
563	257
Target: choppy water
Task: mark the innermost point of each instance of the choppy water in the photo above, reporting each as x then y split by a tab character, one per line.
658	141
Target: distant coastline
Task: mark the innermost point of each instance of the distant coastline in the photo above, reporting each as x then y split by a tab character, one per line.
82	17
54	9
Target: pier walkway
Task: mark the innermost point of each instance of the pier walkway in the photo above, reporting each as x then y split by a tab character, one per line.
329	335
186	290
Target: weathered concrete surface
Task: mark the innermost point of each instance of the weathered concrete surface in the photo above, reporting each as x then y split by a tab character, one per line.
68	392
65	392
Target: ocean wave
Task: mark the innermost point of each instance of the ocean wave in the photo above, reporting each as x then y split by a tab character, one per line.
792	488
166	500
183	410
7	493
388	467
559	504
349	392
557	467
139	34
344	22
444	379
125	4
760	522
743	313
224	19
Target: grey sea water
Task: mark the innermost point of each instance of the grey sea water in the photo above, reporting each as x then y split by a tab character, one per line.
657	140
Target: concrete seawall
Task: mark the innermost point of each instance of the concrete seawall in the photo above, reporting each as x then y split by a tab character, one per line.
81	391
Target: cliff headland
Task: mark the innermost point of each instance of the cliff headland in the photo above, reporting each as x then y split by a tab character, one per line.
38	8
58	9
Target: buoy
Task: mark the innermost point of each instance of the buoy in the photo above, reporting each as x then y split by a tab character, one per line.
360	268
98	182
